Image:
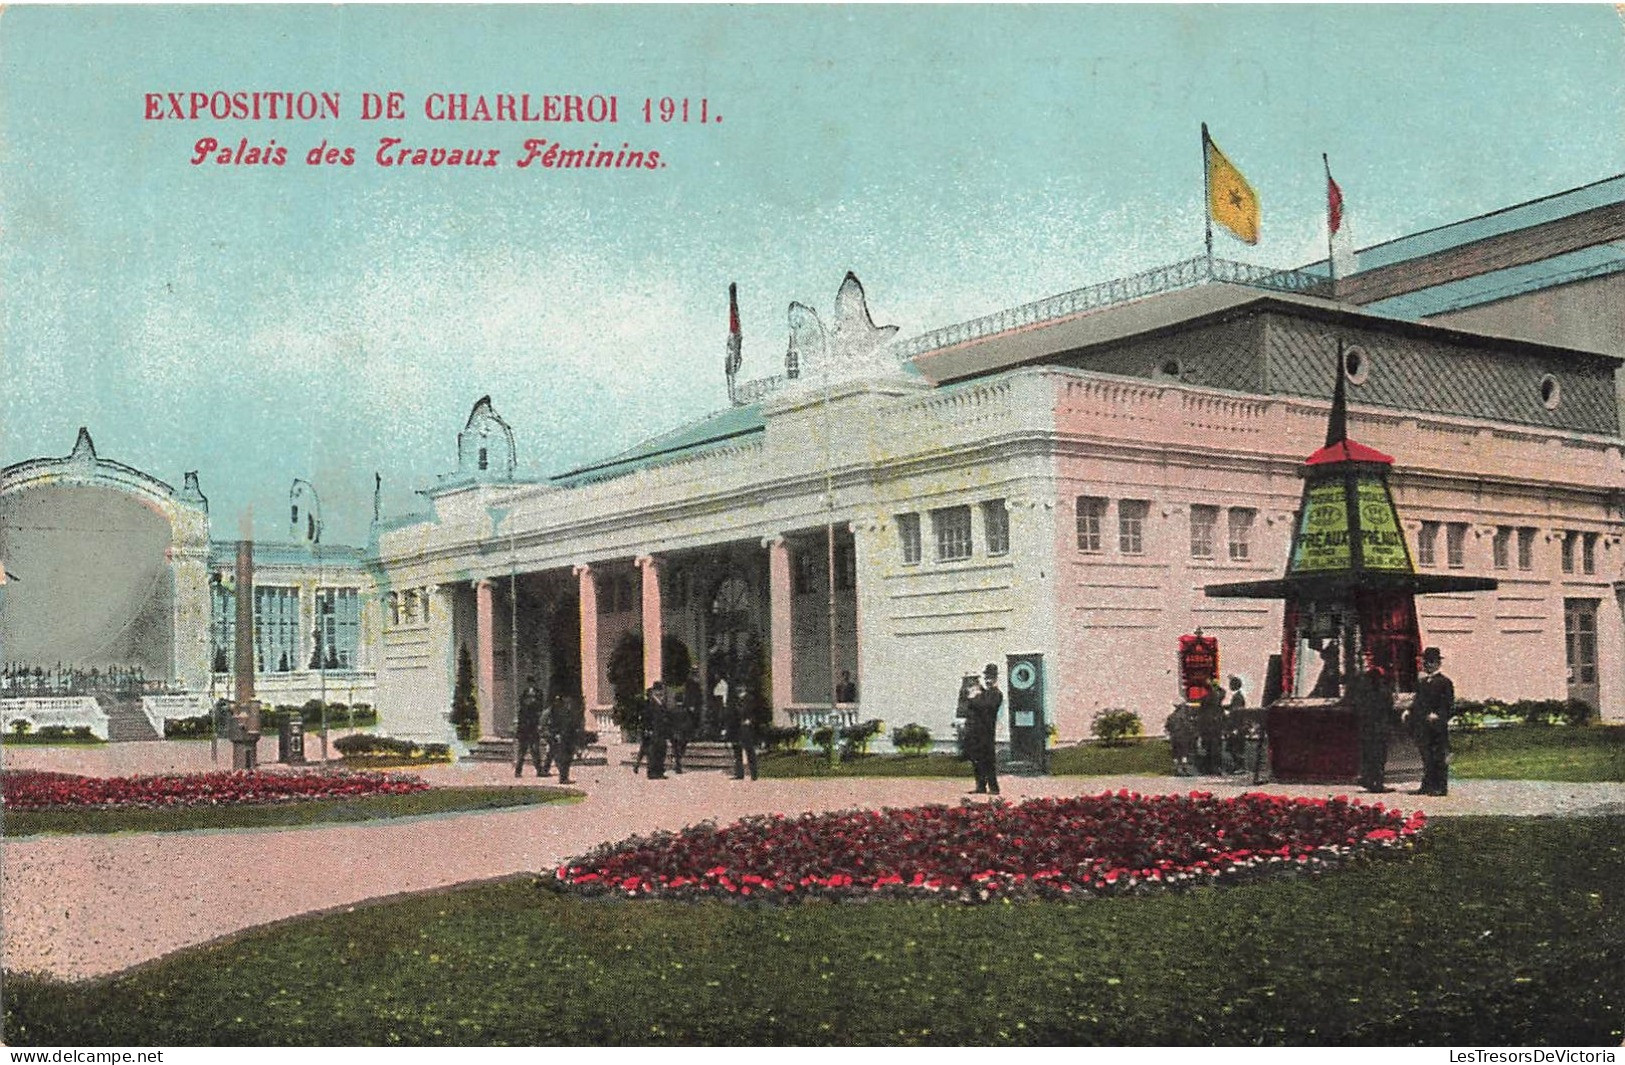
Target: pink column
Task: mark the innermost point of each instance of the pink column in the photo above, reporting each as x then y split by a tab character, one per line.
653	631
779	631
587	583
485	665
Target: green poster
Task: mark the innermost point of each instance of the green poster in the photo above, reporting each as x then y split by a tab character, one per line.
1323	531
1381	541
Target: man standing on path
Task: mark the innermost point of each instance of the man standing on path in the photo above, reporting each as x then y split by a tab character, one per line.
1430	723
566	717
981	727
741	727
530	729
1373	702
655	724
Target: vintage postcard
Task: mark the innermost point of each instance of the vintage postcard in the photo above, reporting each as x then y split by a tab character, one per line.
799	525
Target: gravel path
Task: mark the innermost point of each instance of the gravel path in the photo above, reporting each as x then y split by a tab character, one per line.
83	906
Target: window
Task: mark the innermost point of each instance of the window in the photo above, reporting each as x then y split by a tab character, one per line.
950	526
908	536
394	609
485	459
1455	545
996	527
809	575
338	628
1501	547
223	609
1526	548
1588	554
846	566
1568	551
1427	544
1241	533
1580	639
1091	519
1131	526
276	630
1204	524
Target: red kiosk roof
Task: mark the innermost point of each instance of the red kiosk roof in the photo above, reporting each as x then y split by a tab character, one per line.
1347	450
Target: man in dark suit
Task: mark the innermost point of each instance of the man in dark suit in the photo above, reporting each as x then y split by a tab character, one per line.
741	728
1430	723
981	728
530	728
655	730
1372	698
566	720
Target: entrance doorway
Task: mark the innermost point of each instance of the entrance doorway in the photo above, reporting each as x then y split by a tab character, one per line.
1580	647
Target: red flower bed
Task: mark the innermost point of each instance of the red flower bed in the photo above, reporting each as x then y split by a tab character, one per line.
31	790
1055	848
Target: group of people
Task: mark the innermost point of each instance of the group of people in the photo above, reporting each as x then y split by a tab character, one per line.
670	722
558	723
1215	735
979	703
1371	694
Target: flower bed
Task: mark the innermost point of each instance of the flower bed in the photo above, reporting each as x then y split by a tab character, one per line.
1055	848
34	790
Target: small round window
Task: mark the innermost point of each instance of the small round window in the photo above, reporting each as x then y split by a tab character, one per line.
1356	364
1171	368
1551	392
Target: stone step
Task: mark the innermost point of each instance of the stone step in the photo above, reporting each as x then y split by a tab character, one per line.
499	750
698	756
126	722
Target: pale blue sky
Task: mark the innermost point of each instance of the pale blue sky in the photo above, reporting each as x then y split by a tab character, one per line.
260	324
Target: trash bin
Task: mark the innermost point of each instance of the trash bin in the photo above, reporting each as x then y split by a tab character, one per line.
290	746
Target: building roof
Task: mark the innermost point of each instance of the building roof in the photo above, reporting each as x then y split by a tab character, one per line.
1599	260
290	552
713	430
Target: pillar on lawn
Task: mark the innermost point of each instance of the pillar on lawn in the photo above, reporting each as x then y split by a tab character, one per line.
485	667
587	584
780	633
653	632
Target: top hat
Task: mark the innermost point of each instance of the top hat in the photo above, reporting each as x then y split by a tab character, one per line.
1431	654
991	672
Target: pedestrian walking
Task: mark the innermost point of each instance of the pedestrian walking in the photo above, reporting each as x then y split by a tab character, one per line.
1373	701
682	721
656	730
529	740
1431	711
1210	730
741	728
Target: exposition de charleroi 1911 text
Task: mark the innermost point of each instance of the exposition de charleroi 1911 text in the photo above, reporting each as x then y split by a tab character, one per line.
394	151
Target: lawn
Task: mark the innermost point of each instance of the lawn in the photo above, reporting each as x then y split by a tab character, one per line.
1140	759
307	812
1536	752
1497	931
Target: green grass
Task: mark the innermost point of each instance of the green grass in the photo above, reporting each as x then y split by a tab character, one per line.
33	740
307	812
1497	931
1137	758
1534	752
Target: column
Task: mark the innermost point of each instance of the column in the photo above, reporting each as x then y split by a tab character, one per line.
653	632
587	584
780	634
485	662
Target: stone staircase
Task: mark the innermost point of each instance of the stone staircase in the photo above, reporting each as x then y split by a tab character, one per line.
126	722
501	750
699	757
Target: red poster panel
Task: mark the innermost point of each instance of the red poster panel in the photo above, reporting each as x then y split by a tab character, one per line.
1198	664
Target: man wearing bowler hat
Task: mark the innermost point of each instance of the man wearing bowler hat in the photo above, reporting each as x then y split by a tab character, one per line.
1430	723
981	725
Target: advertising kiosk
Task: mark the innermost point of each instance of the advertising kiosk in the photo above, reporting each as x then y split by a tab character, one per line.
1349	590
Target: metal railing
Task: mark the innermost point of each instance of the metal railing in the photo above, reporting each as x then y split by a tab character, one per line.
1186	274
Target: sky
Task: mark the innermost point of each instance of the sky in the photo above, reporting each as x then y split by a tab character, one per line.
260	323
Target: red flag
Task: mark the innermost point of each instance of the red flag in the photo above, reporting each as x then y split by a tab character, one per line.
1334	204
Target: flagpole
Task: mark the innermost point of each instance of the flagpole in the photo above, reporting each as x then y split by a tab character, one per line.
1207	200
1331	260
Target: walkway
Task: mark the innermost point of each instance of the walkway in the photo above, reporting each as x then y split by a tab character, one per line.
82	906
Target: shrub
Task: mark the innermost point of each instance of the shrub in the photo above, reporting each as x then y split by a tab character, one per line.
465	712
911	739
22	727
823	737
783	738
184	728
855	739
1115	726
626	681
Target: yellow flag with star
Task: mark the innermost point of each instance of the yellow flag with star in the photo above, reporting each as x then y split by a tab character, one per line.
1231	201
